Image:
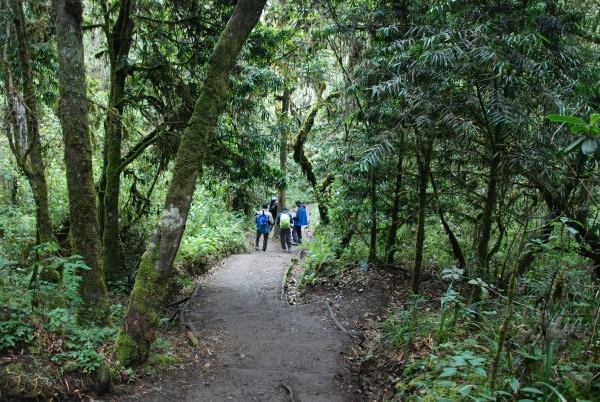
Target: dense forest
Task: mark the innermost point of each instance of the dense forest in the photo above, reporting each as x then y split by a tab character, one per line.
451	146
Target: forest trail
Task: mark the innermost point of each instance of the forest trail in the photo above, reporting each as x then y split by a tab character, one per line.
261	343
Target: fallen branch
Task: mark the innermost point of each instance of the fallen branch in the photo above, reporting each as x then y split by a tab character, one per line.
340	326
289	390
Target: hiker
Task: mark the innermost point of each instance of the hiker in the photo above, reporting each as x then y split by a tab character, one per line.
301	219
264	221
273	207
284	220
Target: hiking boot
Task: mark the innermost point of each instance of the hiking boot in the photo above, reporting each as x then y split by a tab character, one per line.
256	248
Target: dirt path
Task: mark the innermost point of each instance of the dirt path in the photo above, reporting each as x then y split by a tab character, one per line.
261	344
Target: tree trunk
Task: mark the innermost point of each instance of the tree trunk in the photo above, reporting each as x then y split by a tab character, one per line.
283	145
424	162
373	198
85	238
149	292
487	219
119	41
35	164
391	243
456	249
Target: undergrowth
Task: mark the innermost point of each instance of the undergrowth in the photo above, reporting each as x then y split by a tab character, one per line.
39	325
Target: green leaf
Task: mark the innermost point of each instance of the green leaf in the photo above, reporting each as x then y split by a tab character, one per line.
480	371
478	361
532	390
589	146
464	391
557	118
448	372
594	118
445	383
514	384
558	394
579	129
572	145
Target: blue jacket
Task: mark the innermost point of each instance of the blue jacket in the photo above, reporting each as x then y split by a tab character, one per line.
301	218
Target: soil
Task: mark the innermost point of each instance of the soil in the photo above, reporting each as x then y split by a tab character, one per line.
254	345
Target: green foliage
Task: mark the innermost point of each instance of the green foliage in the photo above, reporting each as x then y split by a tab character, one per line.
34	314
212	230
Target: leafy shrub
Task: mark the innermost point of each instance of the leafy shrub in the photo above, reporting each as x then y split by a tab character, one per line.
212	230
44	314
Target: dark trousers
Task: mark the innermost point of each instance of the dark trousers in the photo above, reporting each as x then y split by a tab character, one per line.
285	236
266	239
297	234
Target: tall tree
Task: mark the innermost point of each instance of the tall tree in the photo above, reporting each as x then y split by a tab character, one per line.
155	268
73	114
25	141
119	40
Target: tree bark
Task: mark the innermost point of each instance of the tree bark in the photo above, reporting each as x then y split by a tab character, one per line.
424	162
456	249
73	115
373	198
119	43
34	169
149	292
487	218
391	243
283	145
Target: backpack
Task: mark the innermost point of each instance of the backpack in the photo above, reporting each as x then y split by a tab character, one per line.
262	223
284	221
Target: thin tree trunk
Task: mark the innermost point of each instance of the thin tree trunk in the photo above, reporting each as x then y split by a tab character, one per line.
35	172
149	292
283	145
119	40
456	249
391	243
373	198
85	238
424	162
487	218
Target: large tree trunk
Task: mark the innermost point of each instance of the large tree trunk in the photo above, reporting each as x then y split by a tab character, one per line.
391	243
33	164
155	268
424	162
85	238
119	44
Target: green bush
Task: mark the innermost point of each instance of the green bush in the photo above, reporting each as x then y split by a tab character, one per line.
38	313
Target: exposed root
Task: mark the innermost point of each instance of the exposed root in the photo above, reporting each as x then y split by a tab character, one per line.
289	390
358	334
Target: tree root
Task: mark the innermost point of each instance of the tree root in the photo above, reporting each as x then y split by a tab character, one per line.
358	334
289	390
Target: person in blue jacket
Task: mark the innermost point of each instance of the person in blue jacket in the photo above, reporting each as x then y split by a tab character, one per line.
301	219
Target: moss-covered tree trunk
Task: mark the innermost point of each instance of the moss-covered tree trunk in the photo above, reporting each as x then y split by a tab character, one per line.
424	162
119	43
32	164
73	115
373	213
155	268
283	145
